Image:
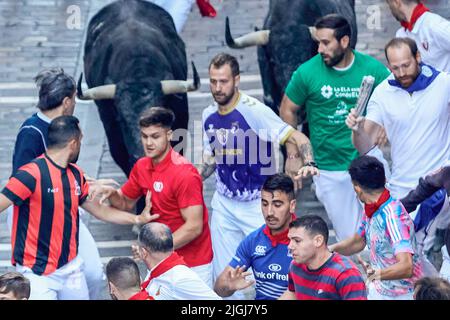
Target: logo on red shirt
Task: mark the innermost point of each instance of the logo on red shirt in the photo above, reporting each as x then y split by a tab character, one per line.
158	186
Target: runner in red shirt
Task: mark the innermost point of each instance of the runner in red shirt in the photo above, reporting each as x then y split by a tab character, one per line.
176	188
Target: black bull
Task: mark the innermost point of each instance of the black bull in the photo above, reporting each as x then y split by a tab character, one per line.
131	50
286	41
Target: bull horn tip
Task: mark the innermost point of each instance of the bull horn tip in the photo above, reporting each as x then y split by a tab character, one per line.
79	90
196	76
228	38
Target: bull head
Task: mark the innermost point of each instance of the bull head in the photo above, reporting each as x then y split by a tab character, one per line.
256	38
168	87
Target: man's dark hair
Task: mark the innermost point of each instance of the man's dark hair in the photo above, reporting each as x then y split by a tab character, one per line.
314	224
62	130
123	272
156	237
368	173
280	182
224	58
432	288
16	283
398	43
54	85
336	22
158	116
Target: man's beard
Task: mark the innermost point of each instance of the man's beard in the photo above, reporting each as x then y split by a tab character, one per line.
225	99
74	158
412	78
338	56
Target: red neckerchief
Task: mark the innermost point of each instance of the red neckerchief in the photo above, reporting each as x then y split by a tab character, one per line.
281	238
206	9
419	10
370	208
173	260
141	295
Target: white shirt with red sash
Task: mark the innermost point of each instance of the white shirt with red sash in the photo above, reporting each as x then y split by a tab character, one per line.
171	279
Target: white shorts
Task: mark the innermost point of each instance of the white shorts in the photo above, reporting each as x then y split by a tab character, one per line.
334	190
66	283
88	251
445	268
205	273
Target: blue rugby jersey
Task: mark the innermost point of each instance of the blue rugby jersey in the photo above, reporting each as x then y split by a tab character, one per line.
242	142
270	264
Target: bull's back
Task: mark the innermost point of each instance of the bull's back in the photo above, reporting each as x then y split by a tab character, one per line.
119	12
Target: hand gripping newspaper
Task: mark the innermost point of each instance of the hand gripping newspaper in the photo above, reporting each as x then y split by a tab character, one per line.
364	94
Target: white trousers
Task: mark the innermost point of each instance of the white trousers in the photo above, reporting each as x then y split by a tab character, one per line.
334	190
231	222
178	9
88	251
445	268
66	283
93	267
205	273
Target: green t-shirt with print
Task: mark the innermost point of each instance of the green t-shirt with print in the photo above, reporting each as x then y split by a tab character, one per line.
328	95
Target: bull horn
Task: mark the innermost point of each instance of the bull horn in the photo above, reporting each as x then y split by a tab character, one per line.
313	30
180	86
257	38
97	93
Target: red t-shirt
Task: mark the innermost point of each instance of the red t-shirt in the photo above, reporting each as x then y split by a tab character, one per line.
175	184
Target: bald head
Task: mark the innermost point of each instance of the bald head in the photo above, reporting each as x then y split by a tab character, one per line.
156	237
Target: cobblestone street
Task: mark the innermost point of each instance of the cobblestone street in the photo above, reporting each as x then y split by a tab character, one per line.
36	34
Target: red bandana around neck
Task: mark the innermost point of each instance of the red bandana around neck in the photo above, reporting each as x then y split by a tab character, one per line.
281	238
371	208
173	260
419	10
141	295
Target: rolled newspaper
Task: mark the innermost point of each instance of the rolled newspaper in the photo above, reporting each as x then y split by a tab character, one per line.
364	94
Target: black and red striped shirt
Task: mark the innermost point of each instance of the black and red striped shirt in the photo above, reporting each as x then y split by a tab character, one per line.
46	198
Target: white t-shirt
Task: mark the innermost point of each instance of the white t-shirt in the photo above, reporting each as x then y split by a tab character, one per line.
417	126
432	35
180	283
